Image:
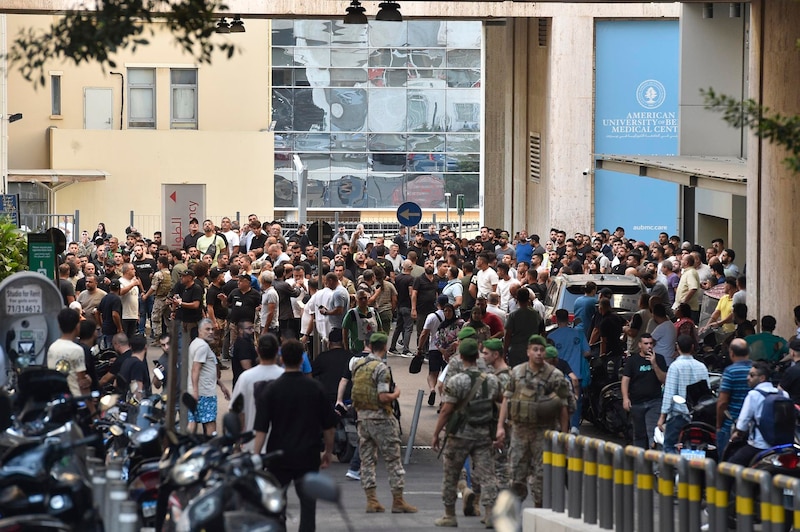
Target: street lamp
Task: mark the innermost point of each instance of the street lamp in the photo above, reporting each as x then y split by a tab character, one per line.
447	204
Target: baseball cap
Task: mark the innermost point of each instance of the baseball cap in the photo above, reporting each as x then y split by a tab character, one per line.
188	271
606	292
115	285
442	300
213	273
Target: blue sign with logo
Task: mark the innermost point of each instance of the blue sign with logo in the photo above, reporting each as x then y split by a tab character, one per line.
409	214
636	113
9	207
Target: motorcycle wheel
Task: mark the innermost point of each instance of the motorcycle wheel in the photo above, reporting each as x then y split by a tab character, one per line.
345	453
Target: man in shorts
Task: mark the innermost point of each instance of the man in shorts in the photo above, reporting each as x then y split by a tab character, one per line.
204	379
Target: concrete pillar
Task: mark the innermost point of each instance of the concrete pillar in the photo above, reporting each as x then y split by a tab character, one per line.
773	191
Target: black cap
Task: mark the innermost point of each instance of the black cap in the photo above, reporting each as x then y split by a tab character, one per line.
188	271
213	273
115	285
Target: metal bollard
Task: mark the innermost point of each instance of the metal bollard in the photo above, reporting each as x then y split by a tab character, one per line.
128	517
726	475
576	450
682	468
559	470
745	507
619	486
751	478
781	483
666	494
627	486
547	469
605	485
644	490
113	473
99	488
117	494
590	481
698	471
412	435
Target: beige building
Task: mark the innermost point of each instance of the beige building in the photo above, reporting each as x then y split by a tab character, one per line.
107	141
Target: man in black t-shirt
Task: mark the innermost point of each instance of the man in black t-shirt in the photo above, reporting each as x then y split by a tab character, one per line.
642	377
298	413
244	354
110	313
133	372
403	283
122	346
242	303
187	298
329	367
423	296
217	312
145	268
608	330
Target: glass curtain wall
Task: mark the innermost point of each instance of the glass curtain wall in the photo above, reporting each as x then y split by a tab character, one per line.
380	113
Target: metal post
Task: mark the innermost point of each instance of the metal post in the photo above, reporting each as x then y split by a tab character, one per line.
710	467
76	225
447	207
745	495
590	482
627	488
316	339
186	338
172	374
238	216
113	474
683	488
547	470
726	472
412	434
695	497
575	474
98	473
605	485
559	472
619	486
666	494
644	491
117	494
131	224
128	518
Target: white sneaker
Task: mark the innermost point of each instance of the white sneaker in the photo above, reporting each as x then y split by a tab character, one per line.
353	475
575	430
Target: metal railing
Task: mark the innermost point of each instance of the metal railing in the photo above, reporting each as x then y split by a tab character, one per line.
615	487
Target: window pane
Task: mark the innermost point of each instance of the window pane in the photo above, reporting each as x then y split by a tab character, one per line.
183	76
141	76
349	34
464	34
183	104
384	34
347	77
388	57
464	58
282	109
141	104
307	116
426	143
426	32
349	57
387	143
348	109
282	32
55	95
387	110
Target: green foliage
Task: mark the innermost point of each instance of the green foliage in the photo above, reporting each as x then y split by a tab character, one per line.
774	127
96	35
13	249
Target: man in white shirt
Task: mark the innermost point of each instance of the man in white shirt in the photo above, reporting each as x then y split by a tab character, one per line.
231	236
254	379
65	350
486	278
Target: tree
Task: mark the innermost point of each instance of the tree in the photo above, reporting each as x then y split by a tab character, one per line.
95	35
774	127
13	249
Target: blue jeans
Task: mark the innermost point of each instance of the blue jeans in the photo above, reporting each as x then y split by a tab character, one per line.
575	419
723	437
146	311
645	416
672	431
355	462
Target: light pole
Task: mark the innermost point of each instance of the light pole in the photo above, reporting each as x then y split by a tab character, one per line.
447	204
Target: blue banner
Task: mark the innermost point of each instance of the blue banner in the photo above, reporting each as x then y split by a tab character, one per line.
636	113
9	207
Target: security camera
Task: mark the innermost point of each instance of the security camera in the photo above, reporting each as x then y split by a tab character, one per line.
586	172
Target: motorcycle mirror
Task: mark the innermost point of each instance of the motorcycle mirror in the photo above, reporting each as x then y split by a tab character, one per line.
321	486
116	430
108	401
238	404
678	400
189	402
158	373
231	425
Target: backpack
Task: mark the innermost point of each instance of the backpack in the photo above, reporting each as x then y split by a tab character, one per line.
778	418
165	286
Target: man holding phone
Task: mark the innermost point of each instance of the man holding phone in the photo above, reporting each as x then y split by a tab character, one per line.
642	377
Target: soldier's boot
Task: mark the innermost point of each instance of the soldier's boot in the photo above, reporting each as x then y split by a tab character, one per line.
399	505
468	497
373	506
449	517
487	520
476	505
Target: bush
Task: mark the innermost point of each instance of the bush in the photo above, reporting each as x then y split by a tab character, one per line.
13	249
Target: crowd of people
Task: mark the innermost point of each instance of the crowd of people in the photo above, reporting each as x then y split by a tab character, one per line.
251	296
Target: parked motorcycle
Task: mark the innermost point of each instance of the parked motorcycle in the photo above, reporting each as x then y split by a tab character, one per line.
602	399
345	438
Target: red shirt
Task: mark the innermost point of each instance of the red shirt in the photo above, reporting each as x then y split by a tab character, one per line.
495	324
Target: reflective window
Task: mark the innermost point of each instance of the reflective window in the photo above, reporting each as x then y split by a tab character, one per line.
379	113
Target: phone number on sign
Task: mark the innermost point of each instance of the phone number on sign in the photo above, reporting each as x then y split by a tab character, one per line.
12	308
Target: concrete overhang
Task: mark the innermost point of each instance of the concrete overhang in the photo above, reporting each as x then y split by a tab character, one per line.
722	174
55	179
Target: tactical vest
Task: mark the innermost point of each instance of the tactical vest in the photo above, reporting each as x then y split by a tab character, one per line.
536	405
165	286
480	410
365	392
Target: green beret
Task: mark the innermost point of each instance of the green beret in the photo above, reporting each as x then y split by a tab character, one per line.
468	347
493	344
466	332
378	338
550	352
537	339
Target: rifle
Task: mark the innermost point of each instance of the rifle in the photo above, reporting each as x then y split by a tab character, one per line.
458	417
395	403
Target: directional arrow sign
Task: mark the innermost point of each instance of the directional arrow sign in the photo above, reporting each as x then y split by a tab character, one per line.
409	214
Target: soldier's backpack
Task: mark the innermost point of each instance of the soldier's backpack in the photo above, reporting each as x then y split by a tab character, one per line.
165	286
778	419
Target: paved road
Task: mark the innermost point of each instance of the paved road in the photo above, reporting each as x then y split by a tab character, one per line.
423	473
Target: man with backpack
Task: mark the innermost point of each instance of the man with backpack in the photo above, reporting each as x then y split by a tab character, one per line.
767	418
160	287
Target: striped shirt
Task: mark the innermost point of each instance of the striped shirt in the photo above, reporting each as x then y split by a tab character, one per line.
684	371
734	381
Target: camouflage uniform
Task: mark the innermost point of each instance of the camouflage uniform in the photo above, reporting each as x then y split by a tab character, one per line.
161	309
379	431
456	365
501	471
527	438
469	440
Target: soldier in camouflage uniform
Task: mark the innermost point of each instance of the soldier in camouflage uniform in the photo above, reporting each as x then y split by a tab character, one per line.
470	421
535	400
378	430
493	356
